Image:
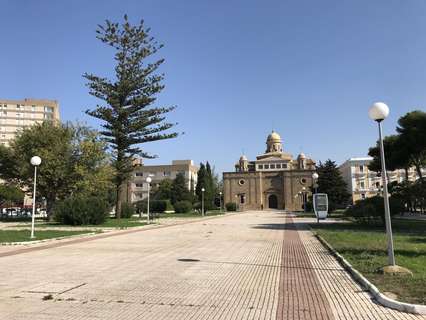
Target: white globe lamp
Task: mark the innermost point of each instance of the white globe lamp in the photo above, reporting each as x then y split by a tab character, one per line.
35	161
378	111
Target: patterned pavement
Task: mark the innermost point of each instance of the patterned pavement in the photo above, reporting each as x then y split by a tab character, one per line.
255	265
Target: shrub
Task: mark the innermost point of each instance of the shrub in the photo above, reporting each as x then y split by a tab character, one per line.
309	206
372	209
127	210
158	206
231	206
183	206
80	210
141	206
197	206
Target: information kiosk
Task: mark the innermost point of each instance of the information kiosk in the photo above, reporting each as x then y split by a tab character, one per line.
320	205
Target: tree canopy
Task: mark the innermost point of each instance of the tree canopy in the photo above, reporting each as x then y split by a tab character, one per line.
128	115
73	161
330	181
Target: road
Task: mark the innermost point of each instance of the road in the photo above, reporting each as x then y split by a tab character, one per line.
254	265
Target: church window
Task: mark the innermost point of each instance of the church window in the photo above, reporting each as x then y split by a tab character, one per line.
272	166
303	181
260	166
241	182
266	166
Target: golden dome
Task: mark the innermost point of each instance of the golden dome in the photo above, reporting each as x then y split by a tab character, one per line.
274	137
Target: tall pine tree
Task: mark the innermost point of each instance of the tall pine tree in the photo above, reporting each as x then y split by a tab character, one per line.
127	111
201	181
330	181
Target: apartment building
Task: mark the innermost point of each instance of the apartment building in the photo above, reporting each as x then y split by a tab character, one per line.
18	114
137	187
363	183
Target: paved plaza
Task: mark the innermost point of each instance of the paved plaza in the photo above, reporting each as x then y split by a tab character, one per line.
254	265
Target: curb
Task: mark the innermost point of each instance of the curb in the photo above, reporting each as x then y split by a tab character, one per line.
380	297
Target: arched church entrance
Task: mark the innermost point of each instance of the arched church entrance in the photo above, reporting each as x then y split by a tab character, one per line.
273	201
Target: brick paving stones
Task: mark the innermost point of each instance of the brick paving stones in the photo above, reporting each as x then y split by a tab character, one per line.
255	265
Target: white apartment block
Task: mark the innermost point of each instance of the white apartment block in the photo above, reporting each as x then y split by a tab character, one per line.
363	183
137	187
18	114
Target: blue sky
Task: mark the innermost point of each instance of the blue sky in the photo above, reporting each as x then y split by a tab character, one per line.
235	69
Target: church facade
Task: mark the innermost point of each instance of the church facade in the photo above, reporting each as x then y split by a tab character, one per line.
273	181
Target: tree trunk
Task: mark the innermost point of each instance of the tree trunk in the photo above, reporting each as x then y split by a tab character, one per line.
121	197
50	201
118	202
419	172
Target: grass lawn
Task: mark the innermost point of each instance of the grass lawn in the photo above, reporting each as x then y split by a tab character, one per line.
192	214
365	248
109	223
335	214
24	235
127	222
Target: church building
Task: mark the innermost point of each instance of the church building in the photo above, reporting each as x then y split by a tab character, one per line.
273	181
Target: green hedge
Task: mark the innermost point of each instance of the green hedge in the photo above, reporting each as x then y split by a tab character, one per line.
80	210
158	206
183	206
231	206
372	209
127	210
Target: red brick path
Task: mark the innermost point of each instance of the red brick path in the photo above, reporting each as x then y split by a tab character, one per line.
300	293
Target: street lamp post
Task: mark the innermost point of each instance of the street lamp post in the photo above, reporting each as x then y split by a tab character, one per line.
378	112
220	201
35	161
202	201
148	181
315	179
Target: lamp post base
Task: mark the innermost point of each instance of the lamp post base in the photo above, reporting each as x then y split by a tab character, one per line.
395	271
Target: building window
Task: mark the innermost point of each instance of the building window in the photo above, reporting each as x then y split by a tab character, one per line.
5	113
361	169
260	166
362	184
266	166
362	196
242	198
378	185
181	172
48	116
139	185
33	108
272	166
284	165
241	182
139	174
18	106
279	166
48	109
166	173
5	106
